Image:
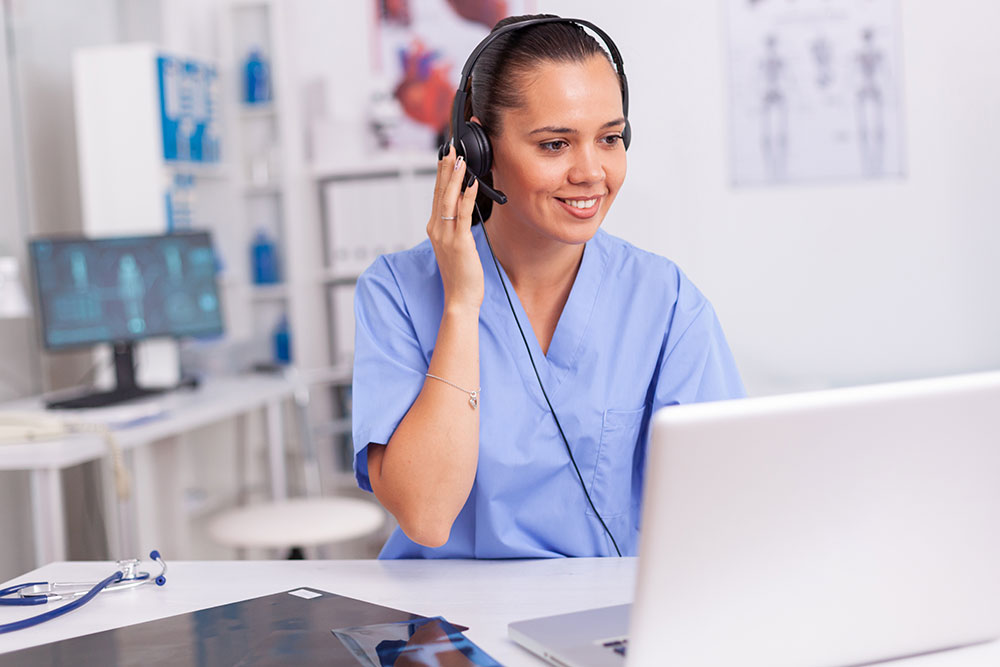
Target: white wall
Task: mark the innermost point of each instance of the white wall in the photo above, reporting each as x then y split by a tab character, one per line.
16	338
46	33
828	284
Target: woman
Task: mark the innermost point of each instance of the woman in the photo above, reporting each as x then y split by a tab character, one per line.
452	429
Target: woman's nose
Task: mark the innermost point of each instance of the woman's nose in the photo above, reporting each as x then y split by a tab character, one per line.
587	166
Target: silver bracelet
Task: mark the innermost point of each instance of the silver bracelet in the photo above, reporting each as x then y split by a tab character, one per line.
473	395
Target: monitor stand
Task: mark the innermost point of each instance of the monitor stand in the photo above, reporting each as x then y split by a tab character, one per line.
126	388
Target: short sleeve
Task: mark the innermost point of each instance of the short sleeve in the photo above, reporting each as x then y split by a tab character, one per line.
389	363
697	364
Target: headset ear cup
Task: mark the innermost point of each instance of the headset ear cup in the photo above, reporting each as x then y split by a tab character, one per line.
476	149
627	134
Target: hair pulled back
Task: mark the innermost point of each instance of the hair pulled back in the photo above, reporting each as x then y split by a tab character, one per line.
499	73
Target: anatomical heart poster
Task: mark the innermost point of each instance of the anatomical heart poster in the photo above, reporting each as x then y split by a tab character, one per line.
421	46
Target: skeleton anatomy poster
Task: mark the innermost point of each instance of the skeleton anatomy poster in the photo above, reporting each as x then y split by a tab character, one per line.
815	90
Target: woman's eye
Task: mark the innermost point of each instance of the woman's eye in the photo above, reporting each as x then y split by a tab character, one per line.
612	139
553	146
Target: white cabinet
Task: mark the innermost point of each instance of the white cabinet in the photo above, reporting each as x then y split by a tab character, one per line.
150	155
148	133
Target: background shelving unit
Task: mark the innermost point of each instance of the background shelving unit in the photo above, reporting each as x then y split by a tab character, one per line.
367	207
275	193
329	220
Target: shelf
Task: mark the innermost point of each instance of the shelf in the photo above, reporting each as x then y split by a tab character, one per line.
275	292
339	277
198	170
338	374
254	111
378	164
250	4
267	190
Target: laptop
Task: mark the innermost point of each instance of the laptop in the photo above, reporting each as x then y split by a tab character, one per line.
838	527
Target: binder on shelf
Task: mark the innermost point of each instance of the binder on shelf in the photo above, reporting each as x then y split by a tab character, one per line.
352	210
369	216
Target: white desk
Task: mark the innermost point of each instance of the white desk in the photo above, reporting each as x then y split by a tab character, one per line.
484	595
184	410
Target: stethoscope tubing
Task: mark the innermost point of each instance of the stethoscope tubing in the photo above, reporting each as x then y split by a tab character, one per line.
126	577
41	592
65	609
21	601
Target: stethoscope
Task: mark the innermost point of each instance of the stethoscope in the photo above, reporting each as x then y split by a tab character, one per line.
126	576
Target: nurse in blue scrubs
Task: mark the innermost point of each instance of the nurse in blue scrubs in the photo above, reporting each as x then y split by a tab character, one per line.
452	431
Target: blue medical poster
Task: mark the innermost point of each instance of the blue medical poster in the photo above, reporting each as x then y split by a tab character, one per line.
188	110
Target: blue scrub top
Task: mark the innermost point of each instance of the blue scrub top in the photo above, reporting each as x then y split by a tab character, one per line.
635	335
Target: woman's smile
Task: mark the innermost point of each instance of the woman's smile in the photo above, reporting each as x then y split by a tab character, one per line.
581	207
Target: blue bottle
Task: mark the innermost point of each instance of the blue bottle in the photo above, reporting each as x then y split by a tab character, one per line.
264	257
258	79
282	342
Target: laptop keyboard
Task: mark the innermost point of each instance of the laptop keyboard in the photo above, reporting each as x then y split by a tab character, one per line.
617	645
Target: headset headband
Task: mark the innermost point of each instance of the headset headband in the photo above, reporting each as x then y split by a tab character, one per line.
458	110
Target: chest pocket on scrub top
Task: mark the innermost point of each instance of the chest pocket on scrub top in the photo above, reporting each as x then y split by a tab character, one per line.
611	488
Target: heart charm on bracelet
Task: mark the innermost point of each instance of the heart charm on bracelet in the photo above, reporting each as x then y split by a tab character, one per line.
473	395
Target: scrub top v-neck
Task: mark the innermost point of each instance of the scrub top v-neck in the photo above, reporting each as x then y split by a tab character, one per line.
635	335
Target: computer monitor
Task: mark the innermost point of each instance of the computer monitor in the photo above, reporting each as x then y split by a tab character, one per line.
121	290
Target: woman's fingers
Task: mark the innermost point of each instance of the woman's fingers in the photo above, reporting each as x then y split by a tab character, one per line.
448	230
444	169
448	205
467	204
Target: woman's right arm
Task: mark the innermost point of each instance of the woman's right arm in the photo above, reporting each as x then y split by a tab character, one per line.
425	474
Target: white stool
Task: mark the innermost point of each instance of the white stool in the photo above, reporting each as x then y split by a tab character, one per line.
309	522
299	522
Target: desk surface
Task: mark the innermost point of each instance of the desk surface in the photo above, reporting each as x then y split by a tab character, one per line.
182	411
484	595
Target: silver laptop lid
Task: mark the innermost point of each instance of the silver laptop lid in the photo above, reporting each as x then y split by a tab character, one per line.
827	528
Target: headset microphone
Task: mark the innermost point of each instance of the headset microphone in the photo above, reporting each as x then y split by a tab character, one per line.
495	195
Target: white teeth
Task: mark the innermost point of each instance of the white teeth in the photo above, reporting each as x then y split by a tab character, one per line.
577	203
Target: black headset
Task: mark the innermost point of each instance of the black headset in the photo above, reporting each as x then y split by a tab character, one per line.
470	138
